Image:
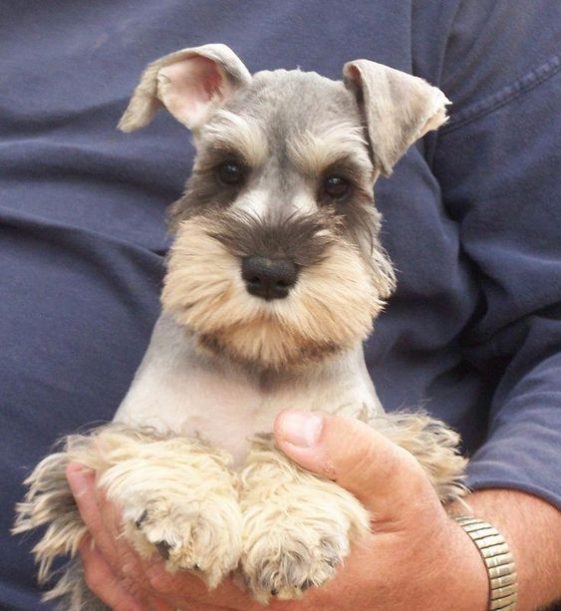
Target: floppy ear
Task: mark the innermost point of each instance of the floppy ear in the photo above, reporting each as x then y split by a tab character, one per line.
190	83
398	108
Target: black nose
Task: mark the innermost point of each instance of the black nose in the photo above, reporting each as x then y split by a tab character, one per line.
269	278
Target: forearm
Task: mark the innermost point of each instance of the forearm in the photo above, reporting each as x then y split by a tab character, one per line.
532	528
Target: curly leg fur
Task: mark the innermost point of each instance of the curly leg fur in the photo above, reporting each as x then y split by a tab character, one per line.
50	503
73	593
433	444
177	497
297	527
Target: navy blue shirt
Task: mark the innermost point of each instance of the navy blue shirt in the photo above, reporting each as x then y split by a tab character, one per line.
472	218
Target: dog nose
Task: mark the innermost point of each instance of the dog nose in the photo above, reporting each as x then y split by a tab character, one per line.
269	278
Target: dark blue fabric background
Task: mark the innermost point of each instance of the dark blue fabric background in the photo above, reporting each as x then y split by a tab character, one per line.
472	217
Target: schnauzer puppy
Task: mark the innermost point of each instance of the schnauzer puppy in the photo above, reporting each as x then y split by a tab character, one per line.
273	280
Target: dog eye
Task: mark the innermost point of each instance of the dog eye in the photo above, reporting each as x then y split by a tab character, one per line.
231	173
336	187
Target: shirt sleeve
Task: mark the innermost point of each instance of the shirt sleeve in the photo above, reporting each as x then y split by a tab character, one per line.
499	165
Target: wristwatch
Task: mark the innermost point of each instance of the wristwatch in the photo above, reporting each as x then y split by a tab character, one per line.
498	559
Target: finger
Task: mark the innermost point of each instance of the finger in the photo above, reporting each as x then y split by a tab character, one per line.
157	604
104	583
189	591
201	607
103	522
387	479
82	485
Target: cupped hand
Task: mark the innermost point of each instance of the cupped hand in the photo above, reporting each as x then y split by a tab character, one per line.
416	557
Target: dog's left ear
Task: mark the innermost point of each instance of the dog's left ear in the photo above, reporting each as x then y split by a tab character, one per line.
190	84
398	108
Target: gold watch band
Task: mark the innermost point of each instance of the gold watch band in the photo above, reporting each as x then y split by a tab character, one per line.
498	559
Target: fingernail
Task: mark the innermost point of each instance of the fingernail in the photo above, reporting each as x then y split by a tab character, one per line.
77	480
301	429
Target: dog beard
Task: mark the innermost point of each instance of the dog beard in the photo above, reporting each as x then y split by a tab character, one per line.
330	308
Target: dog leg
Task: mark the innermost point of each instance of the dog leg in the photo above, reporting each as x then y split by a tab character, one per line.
432	443
177	497
50	503
73	593
297	527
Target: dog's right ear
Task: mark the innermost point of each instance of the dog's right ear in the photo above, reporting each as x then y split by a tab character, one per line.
190	83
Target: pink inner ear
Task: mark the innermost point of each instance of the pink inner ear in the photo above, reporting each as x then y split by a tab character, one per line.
211	77
187	88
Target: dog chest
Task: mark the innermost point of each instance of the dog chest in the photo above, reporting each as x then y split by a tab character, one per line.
177	391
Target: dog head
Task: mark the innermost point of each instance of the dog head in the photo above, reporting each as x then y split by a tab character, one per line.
276	260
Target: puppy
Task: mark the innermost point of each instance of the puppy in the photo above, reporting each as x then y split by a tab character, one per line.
273	281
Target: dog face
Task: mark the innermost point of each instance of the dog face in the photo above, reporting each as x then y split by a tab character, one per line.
276	260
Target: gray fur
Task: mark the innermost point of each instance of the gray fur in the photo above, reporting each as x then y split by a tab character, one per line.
285	104
398	108
287	132
73	593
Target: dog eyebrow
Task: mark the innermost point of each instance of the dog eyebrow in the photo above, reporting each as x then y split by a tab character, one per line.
313	153
230	131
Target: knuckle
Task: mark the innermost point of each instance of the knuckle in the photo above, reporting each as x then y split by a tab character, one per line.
128	563
94	579
163	584
367	458
370	466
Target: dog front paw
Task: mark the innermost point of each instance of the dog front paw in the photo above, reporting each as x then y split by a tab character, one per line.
178	499
200	535
297	528
294	557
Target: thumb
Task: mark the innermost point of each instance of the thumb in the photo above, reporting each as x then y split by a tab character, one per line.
387	479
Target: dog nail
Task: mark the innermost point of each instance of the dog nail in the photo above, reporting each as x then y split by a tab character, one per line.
138	523
163	547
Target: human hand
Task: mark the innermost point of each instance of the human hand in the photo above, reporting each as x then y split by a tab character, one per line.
416	556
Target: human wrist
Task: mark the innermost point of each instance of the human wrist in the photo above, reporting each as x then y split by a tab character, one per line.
467	581
532	529
498	560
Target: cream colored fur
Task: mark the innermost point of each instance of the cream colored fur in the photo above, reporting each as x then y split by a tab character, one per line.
315	152
189	458
286	529
228	130
311	523
176	495
328	306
